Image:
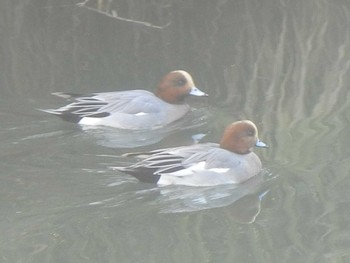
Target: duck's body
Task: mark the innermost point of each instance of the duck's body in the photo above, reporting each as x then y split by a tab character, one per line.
230	162
134	109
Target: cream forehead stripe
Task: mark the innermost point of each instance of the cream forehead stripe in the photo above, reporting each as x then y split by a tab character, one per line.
186	75
250	123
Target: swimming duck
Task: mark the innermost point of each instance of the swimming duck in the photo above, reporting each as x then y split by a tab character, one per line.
207	164
133	109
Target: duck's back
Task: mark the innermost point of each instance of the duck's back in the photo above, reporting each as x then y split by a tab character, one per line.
213	167
136	109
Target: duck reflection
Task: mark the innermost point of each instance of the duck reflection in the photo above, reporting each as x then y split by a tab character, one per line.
242	202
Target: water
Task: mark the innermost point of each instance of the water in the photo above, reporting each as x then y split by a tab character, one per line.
283	64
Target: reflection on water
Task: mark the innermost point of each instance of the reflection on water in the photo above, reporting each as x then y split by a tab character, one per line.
283	64
243	201
189	199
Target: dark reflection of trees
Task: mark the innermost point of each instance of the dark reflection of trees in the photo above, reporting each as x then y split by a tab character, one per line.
283	64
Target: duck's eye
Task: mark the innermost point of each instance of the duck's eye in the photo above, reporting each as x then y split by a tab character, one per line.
180	82
250	133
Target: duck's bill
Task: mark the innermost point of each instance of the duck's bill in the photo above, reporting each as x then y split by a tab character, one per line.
261	144
197	92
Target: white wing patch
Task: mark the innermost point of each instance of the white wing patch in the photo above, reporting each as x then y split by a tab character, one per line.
197	168
141	113
190	170
219	170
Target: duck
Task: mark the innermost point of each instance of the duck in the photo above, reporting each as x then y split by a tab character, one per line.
132	109
232	161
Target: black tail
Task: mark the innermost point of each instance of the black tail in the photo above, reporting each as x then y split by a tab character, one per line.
144	175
